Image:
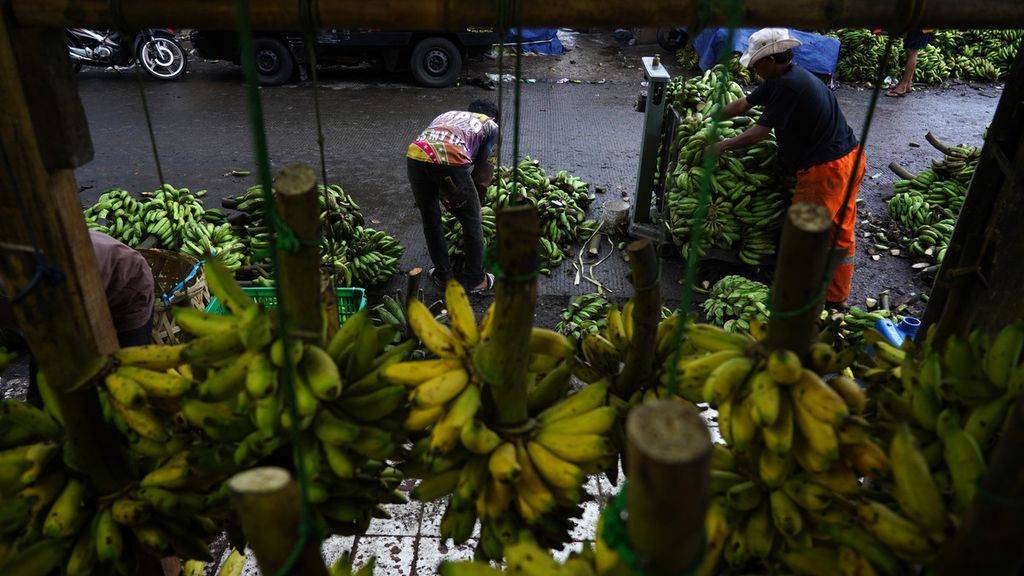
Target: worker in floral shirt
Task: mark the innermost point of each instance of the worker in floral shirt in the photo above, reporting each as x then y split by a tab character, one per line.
449	163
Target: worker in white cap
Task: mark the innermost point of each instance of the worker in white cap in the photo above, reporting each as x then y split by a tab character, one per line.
813	136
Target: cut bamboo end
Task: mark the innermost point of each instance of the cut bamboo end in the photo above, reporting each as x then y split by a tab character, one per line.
295	179
266	480
668	431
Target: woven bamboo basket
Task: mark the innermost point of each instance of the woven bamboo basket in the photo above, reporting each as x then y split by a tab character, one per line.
169	270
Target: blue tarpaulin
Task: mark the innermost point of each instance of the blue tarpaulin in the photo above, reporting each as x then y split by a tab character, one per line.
540	40
818	54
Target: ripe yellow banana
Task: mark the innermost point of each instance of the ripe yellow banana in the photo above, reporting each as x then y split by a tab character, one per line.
627	318
461	313
222	285
414	373
576	448
152	356
321	373
441	389
760	532
583	401
710	338
339	461
765	397
615	331
774	468
851	392
503	464
64	516
893	530
726	379
915	489
109	539
437	486
812	394
867	458
437	337
125	390
199	323
784	367
742	425
446	433
423	418
143	421
695	370
597	421
554	470
261	378
785	514
156	384
533	497
478	438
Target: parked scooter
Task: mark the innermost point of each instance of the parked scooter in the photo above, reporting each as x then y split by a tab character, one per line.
156	49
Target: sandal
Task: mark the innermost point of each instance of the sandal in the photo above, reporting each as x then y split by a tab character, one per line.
895	94
488	284
435	279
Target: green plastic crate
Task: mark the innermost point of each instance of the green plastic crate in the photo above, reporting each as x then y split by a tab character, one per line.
350	301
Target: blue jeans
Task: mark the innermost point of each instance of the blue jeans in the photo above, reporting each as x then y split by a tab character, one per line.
433	184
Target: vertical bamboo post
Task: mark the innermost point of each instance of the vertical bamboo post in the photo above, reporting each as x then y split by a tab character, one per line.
502	360
987	541
803	254
639	366
669	470
298	205
267	502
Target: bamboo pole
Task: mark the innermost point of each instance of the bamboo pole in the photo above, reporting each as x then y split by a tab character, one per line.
987	541
639	367
669	471
267	502
459	14
503	359
797	292
298	205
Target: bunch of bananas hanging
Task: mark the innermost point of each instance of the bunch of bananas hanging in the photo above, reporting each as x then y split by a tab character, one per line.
734	302
561	200
118	214
586	314
688	59
527	558
356	255
748	194
527	478
929	204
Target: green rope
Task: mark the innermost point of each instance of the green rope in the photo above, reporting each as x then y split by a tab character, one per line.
307	529
703	197
614	533
492	265
825	280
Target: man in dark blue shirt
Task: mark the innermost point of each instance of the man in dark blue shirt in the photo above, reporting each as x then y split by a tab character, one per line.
814	139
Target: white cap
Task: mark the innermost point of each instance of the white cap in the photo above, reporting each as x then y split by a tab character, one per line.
765	42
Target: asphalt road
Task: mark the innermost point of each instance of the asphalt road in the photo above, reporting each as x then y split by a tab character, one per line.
203	132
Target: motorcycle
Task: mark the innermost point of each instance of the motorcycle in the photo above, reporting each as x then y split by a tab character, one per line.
156	49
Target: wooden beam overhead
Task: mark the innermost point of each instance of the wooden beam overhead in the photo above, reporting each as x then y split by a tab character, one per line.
458	14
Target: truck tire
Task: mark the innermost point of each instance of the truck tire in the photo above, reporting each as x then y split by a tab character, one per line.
436	62
274	62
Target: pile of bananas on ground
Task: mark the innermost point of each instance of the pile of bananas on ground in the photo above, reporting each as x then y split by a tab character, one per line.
561	201
175	216
529	478
734	302
747	197
453	231
847	330
929	204
984	55
586	314
118	214
696	95
356	255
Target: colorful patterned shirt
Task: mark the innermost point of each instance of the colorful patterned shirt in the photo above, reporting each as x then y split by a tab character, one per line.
455	138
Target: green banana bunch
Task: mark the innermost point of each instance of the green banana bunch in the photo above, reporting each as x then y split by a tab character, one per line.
928	205
734	302
748	194
561	200
118	214
687	58
586	314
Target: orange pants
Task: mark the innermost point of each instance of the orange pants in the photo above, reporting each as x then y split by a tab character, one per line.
826	184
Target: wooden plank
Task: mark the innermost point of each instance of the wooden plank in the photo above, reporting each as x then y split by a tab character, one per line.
978	282
459	14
